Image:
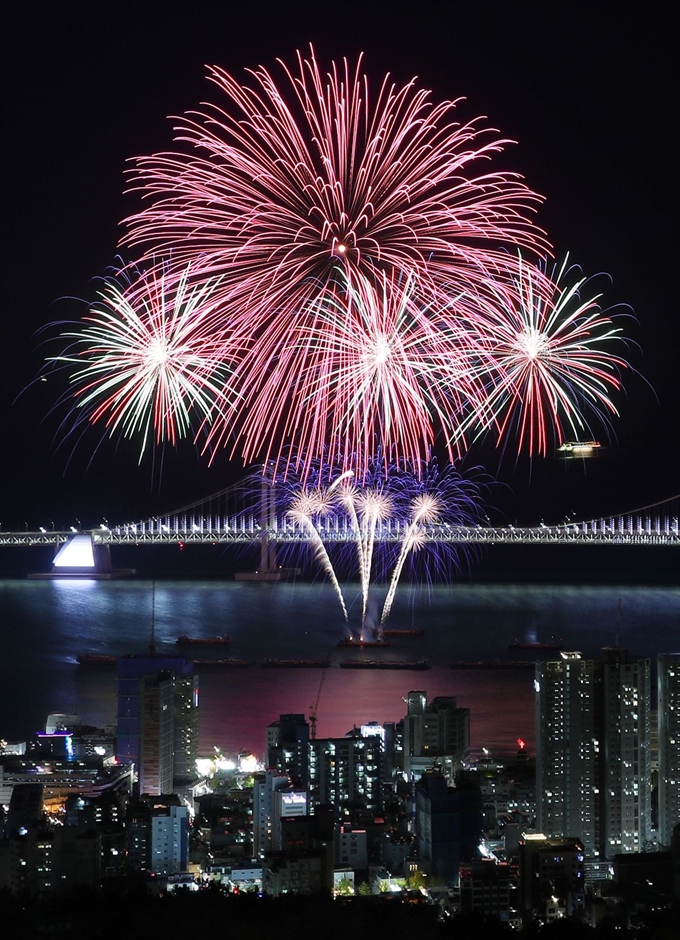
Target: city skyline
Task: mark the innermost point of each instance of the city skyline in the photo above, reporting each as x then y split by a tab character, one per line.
92	119
587	100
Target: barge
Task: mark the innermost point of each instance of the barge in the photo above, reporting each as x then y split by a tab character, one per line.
295	663
185	640
385	664
493	664
224	663
361	643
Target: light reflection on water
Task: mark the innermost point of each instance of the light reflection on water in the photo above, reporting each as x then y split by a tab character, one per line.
47	623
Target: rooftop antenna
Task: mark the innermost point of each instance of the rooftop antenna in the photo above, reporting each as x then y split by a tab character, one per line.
152	644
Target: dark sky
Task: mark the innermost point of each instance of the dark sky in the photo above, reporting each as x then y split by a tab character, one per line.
591	99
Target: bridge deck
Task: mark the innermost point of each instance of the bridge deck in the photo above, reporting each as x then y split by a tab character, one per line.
623	530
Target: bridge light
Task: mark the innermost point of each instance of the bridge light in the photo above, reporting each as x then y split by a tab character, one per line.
42	529
73	528
103	527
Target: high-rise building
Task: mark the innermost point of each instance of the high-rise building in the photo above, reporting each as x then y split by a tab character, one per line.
568	750
169	839
626	789
347	772
158	720
274	799
158	835
669	745
156	733
438	826
287	747
438	733
593	751
185	732
138	834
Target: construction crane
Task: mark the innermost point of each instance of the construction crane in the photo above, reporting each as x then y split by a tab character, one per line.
313	708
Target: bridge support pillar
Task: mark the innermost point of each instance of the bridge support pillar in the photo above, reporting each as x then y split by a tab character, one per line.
82	557
269	569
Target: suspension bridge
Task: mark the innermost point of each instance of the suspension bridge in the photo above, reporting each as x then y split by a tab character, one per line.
656	524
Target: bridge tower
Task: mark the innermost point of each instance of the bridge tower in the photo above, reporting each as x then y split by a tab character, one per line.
269	569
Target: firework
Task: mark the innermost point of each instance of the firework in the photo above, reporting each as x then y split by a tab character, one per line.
280	186
393	509
552	363
357	283
384	369
148	368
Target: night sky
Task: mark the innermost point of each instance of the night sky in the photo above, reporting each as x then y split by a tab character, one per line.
590	98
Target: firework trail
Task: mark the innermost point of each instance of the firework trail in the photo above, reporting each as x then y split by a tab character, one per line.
282	184
367	508
552	363
302	511
149	368
426	509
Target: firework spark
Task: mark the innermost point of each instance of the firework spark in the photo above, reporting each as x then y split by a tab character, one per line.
283	185
145	362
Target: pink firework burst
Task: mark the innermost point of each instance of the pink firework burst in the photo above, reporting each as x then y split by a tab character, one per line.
282	184
382	370
553	363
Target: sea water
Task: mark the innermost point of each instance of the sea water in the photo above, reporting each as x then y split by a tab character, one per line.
46	624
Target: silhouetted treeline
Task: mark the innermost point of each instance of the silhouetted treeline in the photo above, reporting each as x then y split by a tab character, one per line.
130	912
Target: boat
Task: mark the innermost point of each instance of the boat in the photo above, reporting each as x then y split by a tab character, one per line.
403	633
185	640
556	643
492	664
226	663
361	642
295	663
385	664
96	659
579	448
